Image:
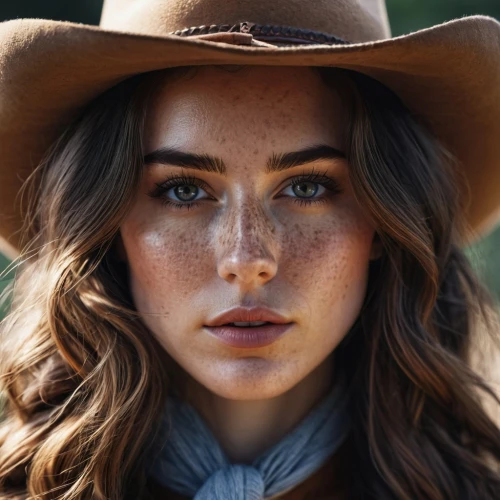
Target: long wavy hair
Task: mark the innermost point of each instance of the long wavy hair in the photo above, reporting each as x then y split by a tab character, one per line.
84	380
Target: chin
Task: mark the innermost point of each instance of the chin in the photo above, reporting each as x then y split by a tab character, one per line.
249	379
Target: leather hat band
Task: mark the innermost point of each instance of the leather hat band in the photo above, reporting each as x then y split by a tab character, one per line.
266	33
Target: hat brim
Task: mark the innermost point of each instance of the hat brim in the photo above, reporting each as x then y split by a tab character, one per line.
448	75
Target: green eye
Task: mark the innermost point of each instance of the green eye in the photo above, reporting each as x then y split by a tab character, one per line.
307	189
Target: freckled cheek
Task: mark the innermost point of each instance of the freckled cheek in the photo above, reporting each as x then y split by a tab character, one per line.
166	264
349	267
326	260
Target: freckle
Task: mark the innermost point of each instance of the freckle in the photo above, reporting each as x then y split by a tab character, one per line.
255	151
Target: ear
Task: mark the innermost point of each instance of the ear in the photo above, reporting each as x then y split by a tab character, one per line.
377	249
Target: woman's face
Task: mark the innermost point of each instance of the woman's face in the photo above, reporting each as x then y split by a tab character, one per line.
251	238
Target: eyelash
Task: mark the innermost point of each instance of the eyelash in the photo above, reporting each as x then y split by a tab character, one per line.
182	180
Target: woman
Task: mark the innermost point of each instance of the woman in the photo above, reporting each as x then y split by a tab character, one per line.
182	204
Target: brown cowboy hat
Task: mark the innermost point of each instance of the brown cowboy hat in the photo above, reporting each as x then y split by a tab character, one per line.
448	75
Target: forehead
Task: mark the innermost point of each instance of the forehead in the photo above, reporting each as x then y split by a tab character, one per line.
276	104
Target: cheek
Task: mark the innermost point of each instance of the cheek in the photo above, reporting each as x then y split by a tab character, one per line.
328	262
165	263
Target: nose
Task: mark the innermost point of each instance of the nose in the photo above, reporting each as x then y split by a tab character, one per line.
247	250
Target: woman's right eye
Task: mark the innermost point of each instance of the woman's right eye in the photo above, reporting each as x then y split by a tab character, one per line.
185	189
185	192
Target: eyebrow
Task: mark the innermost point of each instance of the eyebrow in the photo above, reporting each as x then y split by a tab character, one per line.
207	163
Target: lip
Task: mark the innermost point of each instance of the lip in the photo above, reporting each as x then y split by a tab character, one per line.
249	337
248	314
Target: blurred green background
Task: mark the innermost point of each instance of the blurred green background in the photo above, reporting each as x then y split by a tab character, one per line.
405	16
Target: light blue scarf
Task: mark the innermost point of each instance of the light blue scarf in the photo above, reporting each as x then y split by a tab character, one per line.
193	464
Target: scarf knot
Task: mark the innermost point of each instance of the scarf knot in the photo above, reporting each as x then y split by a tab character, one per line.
238	482
193	464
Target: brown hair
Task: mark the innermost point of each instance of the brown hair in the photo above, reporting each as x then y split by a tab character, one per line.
85	380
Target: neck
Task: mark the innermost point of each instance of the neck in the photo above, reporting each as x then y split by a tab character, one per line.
245	429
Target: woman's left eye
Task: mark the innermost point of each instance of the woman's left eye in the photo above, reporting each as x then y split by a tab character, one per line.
186	189
307	187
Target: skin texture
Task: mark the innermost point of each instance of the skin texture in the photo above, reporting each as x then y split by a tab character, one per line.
245	245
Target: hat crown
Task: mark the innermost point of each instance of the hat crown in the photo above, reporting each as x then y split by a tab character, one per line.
352	20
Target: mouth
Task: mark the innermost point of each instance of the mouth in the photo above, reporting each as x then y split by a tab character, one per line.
248	324
249	335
